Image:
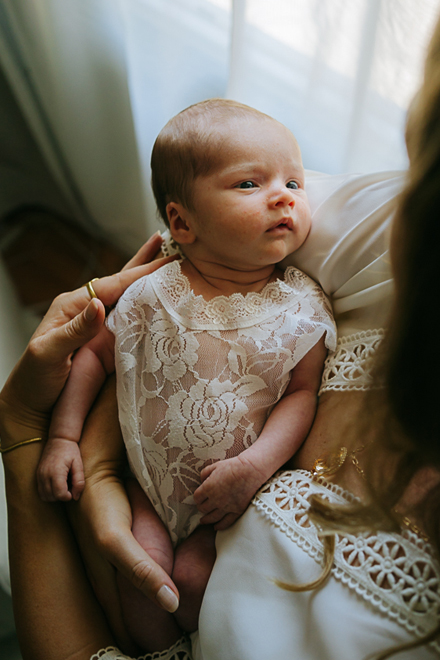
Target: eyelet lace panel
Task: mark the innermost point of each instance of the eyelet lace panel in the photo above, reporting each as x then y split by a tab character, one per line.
396	573
349	366
181	650
236	311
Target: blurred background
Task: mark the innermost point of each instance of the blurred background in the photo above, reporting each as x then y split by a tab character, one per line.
86	85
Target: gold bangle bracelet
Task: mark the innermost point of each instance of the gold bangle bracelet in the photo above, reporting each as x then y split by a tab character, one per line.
20	444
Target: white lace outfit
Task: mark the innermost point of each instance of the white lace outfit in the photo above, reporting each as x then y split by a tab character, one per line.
197	379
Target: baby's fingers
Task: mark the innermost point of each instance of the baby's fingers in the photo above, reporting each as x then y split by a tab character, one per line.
228	520
204	474
212	517
205	505
60	491
52	489
44	485
44	482
77	478
200	496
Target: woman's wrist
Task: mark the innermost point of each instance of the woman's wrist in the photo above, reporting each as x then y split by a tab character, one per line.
17	423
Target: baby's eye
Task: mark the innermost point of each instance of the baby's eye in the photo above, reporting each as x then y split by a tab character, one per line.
292	185
246	185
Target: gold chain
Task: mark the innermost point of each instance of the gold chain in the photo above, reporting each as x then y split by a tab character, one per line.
328	467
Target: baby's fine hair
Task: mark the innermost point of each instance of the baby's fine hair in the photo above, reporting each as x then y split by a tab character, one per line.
189	146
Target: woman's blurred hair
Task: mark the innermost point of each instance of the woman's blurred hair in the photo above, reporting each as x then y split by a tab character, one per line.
401	423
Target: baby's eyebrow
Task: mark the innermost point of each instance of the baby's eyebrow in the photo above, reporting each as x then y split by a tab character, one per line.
243	167
251	169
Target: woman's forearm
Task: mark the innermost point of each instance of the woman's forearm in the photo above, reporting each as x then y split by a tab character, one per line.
56	614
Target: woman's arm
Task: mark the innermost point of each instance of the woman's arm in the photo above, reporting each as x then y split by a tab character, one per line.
56	614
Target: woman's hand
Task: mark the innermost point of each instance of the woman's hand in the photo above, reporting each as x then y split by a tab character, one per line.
102	520
71	321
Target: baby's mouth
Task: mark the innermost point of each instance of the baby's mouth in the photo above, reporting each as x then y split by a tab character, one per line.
284	223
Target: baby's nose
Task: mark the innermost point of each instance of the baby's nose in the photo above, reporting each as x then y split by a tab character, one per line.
284	197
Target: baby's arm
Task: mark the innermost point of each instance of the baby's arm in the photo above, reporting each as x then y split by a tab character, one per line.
61	455
229	485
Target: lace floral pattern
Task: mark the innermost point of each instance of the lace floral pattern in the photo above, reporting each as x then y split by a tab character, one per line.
197	379
181	650
394	572
349	366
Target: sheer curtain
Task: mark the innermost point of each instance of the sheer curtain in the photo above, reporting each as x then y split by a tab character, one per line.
97	79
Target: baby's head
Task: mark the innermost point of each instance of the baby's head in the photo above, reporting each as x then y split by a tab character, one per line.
223	145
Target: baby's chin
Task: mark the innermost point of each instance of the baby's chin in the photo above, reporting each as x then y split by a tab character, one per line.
282	255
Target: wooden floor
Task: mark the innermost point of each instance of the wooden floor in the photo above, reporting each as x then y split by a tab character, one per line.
46	255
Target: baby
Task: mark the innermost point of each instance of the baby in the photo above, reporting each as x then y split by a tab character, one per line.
218	355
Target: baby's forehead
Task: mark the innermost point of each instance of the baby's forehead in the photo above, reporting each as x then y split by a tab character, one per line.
247	128
230	125
243	138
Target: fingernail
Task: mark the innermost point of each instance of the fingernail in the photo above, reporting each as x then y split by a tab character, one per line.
158	233
92	310
167	599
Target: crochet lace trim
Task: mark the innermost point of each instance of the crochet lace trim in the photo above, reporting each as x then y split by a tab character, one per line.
349	366
396	573
174	290
181	650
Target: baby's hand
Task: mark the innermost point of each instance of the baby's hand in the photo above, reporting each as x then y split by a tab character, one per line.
226	490
60	458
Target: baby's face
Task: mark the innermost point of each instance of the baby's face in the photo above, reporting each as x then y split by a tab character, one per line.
252	210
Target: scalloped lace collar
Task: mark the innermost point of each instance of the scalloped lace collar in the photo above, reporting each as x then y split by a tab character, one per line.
174	291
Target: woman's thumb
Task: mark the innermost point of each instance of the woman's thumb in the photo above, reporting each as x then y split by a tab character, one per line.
79	330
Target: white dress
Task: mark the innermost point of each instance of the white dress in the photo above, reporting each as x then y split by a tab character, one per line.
197	380
383	589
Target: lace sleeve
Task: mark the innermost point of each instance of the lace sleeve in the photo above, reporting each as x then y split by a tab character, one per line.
349	366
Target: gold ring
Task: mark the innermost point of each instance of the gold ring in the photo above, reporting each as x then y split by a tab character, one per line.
90	288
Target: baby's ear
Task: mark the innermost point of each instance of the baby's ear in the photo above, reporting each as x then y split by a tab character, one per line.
180	223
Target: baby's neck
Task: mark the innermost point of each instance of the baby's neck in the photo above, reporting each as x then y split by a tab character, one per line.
211	280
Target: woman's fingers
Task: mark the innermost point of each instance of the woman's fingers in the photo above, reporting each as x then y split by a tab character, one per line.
73	319
125	553
109	289
62	341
